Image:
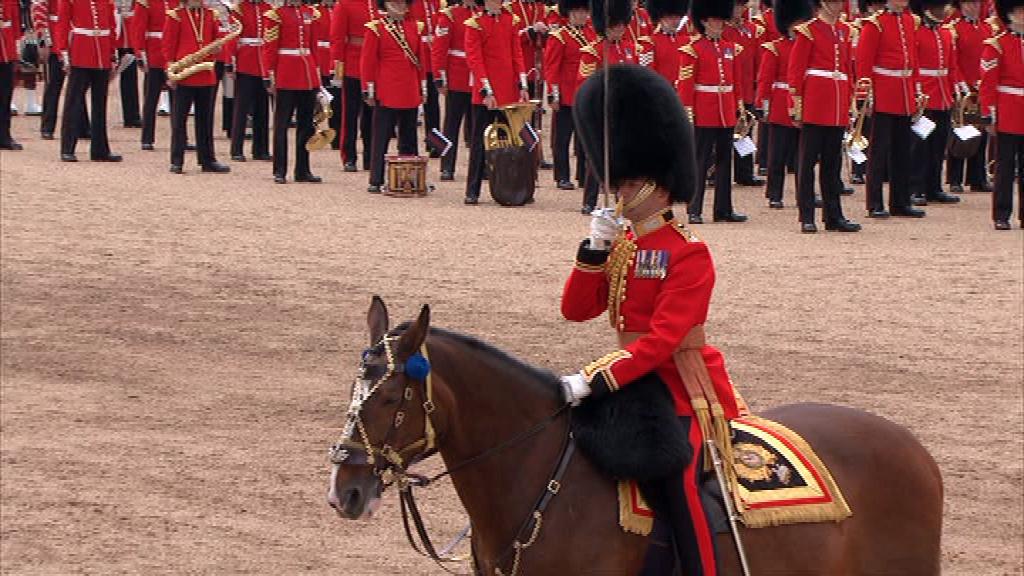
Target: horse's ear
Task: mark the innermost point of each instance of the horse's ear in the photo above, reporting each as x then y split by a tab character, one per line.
377	319
413	338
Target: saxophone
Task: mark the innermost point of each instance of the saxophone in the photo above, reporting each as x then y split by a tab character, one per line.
196	61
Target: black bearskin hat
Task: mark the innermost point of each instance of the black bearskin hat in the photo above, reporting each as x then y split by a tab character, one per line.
865	5
701	10
1004	7
651	136
789	12
919	6
564	6
619	12
658	9
382	7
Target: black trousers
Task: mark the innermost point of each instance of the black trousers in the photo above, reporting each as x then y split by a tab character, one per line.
357	116
763	140
227	105
926	171
1009	167
181	101
431	108
564	129
456	109
384	122
821	145
250	98
890	146
6	92
51	98
153	84
744	164
335	120
482	117
301	103
716	144
862	168
80	80
784	141
975	165
129	83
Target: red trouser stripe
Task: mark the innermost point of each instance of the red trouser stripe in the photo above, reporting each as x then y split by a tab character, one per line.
700	525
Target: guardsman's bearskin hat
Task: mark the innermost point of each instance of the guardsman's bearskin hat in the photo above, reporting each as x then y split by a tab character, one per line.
865	5
919	6
789	12
701	10
619	12
381	4
1004	7
564	6
651	137
658	9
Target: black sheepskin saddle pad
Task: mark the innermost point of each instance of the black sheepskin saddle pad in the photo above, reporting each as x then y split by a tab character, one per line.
633	433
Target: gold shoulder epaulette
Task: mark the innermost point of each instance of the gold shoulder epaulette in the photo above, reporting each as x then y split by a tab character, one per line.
805	30
472	23
316	13
738	47
951	26
443	5
420	25
994	42
515	20
688	50
548	10
686	233
917	20
447	12
770	46
590	48
557	35
372	26
173	13
143	3
272	14
758	30
874	20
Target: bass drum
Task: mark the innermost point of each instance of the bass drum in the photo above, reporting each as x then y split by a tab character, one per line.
962	149
513	175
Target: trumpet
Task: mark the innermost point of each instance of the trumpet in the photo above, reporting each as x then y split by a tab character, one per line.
196	61
744	123
855	136
323	136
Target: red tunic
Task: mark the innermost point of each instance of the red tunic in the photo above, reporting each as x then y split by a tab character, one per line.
707	81
148	31
530	12
562	60
495	56
820	72
186	31
249	47
85	32
1002	81
592	56
773	81
289	49
938	67
10	30
426	11
746	36
663	57
887	54
669	281
348	25
639	30
323	41
970	37
389	67
448	50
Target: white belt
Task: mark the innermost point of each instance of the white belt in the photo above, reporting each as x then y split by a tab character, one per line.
250	41
714	89
95	32
892	73
156	34
457	53
293	51
783	85
323	43
53	17
933	72
5	23
1011	90
833	74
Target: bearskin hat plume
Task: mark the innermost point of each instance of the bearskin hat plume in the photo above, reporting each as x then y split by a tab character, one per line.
651	136
701	10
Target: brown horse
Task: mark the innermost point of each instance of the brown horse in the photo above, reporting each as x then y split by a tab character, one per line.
479	398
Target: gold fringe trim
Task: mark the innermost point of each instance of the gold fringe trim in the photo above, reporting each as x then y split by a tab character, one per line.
629	520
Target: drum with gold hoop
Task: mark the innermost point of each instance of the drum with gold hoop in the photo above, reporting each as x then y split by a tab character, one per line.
406	176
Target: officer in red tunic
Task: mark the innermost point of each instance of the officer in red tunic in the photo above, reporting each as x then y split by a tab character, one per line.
44	20
669	35
10	31
448	56
394	82
128	79
941	81
708	77
820	70
561	71
250	98
426	11
348	25
970	33
533	36
85	40
666	271
292	75
187	29
147	40
495	59
887	57
1002	101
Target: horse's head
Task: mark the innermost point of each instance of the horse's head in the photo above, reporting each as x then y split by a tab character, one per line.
388	425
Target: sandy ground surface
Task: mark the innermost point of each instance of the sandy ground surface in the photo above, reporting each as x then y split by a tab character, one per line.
176	350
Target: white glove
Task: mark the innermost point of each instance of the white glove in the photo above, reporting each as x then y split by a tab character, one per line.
575	388
604	227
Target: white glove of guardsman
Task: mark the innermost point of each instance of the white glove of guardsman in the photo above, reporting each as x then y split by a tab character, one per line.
604	227
575	388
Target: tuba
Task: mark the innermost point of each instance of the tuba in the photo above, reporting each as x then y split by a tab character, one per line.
512	165
321	136
196	61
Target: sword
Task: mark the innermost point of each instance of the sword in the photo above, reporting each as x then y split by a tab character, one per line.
730	510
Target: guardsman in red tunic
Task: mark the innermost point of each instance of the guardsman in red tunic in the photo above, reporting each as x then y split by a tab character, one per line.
746	36
866	8
669	35
348	25
10	31
970	34
85	41
668	275
621	50
293	77
250	96
887	57
708	77
44	20
533	35
187	29
561	72
1002	101
129	77
941	81
639	29
427	11
773	94
448	56
394	82
147	32
498	78
326	63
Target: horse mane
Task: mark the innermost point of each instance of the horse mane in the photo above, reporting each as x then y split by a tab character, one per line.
540	375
